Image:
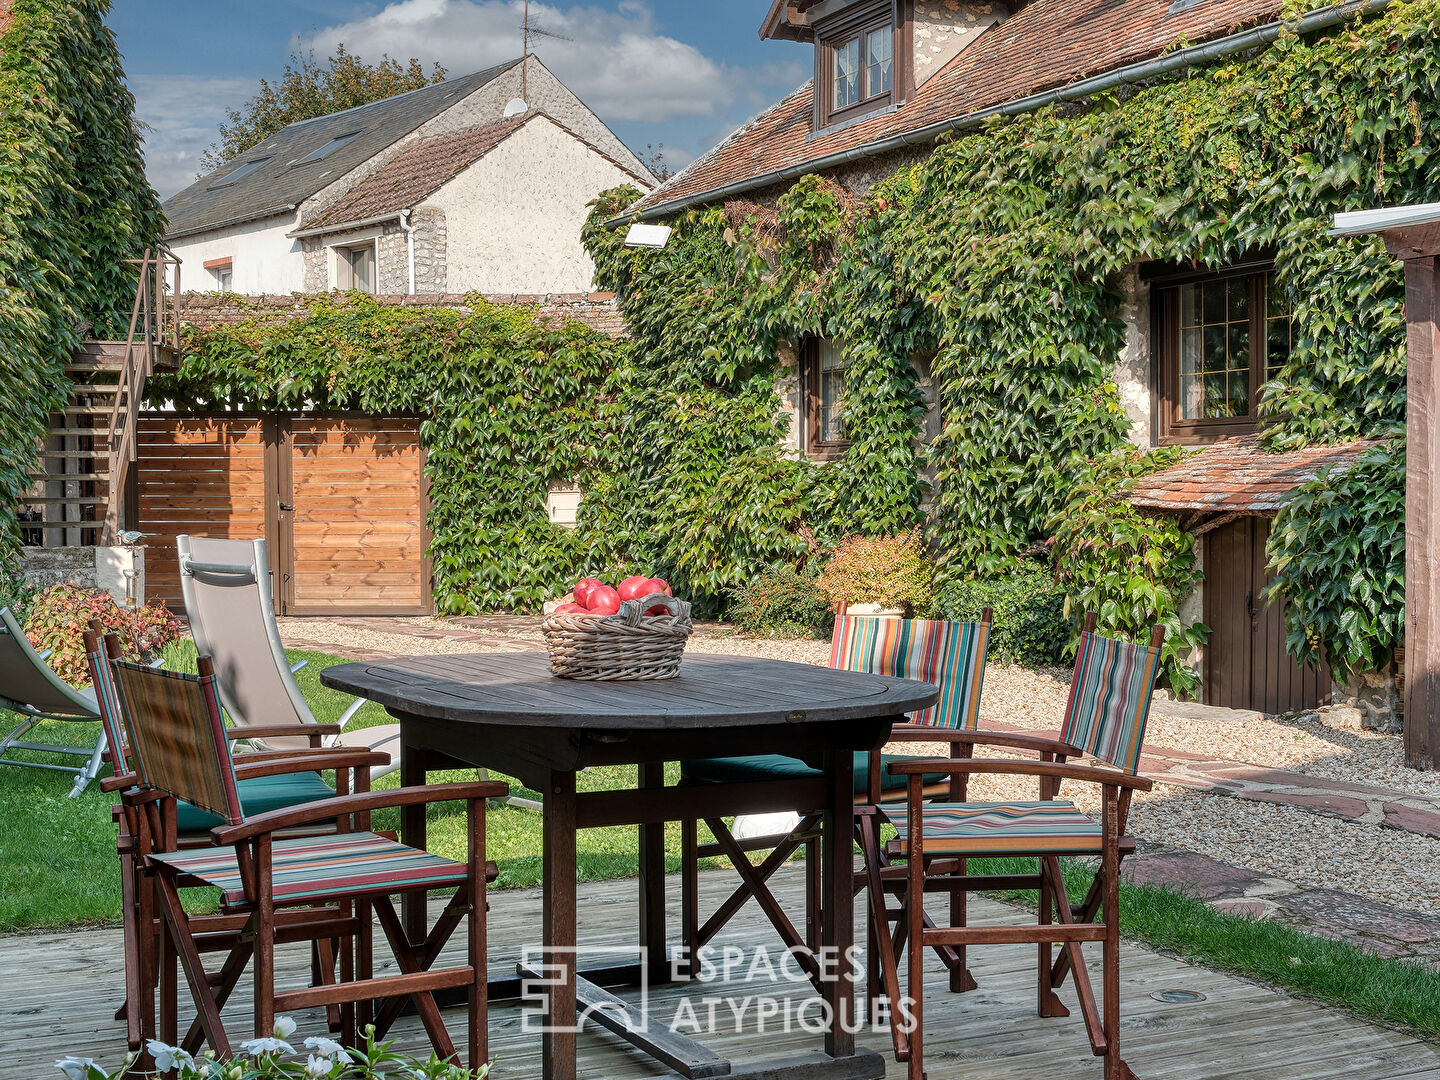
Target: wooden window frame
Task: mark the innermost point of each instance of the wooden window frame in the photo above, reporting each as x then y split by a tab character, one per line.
345	267
814	447
1170	429
857	23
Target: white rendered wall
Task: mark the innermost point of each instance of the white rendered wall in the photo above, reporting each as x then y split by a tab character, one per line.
513	218
265	259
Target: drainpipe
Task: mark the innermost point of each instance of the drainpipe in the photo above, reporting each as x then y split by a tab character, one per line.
409	230
1323	19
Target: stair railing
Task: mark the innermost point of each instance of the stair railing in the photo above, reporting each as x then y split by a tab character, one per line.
154	317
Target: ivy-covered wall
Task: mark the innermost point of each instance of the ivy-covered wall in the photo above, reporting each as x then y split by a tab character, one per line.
1003	252
74	203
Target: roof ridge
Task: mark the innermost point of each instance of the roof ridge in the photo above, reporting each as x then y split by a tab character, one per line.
494	72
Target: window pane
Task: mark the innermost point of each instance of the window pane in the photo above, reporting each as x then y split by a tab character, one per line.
1192	397
1214	302
878	44
362	264
830	426
1215	348
1239	289
1279	328
1190	305
1239	347
847	74
1190	350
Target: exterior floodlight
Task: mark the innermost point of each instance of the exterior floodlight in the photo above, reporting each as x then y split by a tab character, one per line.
650	236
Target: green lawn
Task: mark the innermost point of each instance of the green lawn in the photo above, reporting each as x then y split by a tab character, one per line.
58	869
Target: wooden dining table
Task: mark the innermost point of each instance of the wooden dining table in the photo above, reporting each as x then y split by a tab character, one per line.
506	711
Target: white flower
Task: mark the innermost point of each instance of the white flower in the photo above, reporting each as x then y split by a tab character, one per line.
76	1068
284	1027
259	1047
316	1068
168	1057
327	1048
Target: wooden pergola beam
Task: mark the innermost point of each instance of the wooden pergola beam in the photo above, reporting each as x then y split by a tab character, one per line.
1412	234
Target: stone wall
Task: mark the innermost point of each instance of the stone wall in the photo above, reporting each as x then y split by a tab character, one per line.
943	28
597	310
120	571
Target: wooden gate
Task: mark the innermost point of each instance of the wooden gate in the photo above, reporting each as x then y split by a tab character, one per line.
1246	663
341	501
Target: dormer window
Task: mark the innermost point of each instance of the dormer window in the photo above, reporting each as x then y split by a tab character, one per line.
855	62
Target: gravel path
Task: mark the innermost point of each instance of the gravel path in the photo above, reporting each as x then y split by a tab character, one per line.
1383	864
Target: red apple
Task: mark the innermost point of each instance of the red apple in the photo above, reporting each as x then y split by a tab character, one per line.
604	601
570	609
584	587
660	585
633	588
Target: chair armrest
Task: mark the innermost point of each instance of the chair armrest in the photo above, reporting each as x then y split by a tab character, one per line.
298	665
1044	744
299	753
1022	767
344	805
325	759
119	783
355	706
270	731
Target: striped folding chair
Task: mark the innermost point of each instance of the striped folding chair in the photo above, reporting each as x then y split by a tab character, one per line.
949	654
1105	717
266	781
295	888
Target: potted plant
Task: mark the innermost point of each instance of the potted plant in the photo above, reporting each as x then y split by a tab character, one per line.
879	575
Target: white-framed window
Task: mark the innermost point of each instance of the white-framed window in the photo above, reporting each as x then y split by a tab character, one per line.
222	274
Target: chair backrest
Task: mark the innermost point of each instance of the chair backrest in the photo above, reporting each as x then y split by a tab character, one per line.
27	685
226	585
1110	696
98	654
949	654
177	736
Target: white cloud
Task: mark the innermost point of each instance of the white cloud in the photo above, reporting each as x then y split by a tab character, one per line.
184	114
618	62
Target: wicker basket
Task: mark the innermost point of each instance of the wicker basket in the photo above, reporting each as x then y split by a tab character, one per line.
620	647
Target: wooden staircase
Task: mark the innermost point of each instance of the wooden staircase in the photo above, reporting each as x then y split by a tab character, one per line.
78	497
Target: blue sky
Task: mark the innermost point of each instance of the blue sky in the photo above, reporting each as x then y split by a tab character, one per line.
684	73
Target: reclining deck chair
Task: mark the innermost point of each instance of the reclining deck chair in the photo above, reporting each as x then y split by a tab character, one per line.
29	687
1105	717
265	781
226	585
950	654
309	889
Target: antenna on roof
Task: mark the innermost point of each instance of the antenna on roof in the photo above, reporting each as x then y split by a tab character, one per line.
538	31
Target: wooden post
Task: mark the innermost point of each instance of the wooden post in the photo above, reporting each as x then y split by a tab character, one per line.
1419	246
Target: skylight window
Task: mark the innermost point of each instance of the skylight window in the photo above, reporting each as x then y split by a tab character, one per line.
235	175
329	148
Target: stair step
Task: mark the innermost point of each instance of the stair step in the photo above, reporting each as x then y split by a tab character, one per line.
95	388
70	476
62	524
81	432
65	500
103	367
77	454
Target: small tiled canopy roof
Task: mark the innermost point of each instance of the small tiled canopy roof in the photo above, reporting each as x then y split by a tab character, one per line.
1047	44
1237	476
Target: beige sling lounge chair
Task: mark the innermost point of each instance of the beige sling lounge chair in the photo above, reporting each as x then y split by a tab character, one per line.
226	585
28	687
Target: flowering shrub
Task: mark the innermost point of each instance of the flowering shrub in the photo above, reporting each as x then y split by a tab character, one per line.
783	603
276	1059
892	571
59	616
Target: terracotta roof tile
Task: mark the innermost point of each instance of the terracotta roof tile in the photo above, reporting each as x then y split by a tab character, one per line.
428	165
1237	475
1048	44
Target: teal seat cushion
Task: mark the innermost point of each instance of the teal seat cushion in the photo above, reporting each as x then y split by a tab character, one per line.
735	770
257	796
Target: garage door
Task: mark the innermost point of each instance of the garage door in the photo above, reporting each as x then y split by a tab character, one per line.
340	499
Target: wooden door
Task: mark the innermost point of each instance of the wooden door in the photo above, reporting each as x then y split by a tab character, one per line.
1246	663
339	499
352	506
202	475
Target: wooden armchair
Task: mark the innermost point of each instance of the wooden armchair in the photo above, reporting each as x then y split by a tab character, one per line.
327	887
1106	716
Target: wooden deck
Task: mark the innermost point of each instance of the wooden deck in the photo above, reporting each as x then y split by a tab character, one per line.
58	991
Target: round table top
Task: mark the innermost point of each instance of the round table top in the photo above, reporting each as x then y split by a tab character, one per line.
517	689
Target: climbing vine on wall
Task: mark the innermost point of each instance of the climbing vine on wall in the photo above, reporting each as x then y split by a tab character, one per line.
1001	254
74	203
509	405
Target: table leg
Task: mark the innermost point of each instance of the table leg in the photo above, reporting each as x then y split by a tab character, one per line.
652	882
558	1041
838	900
412	832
